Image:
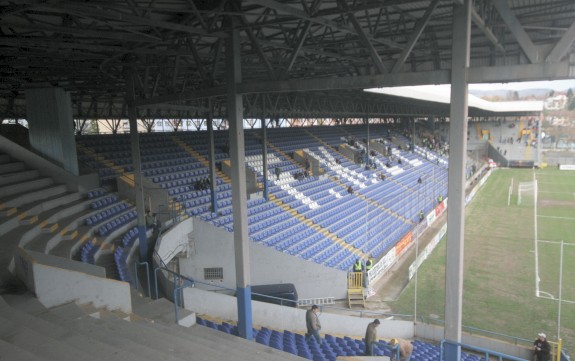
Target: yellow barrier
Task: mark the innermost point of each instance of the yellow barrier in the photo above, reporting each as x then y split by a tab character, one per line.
354	280
556	349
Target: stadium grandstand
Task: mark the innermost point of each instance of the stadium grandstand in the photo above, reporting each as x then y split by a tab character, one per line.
247	174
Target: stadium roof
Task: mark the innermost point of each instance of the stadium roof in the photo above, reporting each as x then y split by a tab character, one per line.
442	94
177	48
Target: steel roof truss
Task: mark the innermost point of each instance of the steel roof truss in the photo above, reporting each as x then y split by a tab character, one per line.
517	30
563	45
419	27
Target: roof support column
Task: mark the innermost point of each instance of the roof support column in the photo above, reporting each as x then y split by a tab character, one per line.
239	193
212	156
265	148
456	178
137	162
51	126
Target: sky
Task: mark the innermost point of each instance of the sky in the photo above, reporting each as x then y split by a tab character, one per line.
557	85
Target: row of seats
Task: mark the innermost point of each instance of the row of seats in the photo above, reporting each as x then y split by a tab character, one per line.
105	214
331	346
88	251
130	237
95	193
105	201
121	260
116	223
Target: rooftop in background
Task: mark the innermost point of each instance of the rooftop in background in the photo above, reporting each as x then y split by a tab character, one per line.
555	85
442	94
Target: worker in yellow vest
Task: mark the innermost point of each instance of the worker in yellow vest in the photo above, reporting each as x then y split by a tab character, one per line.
368	264
358	266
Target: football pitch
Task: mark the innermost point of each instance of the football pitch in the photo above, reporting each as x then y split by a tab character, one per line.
519	274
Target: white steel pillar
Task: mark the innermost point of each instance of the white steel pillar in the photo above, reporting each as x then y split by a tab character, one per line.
239	192
456	177
137	162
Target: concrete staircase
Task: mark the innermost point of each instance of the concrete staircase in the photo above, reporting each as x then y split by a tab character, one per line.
28	331
36	213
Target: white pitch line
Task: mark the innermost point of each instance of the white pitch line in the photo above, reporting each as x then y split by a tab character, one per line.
553	242
549	296
569	218
555	192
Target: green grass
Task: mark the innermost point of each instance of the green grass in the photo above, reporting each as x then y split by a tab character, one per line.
499	272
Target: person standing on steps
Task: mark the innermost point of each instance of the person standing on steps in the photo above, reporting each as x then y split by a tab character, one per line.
312	323
371	337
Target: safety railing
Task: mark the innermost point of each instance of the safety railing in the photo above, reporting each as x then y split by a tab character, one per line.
163	266
136	267
389	347
556	348
489	354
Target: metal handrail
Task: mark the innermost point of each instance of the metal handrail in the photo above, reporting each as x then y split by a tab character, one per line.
500	356
164	266
391	348
136	264
502	335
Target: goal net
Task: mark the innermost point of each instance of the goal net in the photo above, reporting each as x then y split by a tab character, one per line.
527	193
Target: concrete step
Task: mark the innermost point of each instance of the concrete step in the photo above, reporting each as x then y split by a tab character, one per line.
7	211
109	333
68	311
11	167
4	158
78	342
25	219
40	242
69	234
25	186
215	341
55	222
37	343
17	175
48	323
8	224
154	338
11	352
139	298
163	310
48	228
56	202
64	248
214	338
44	215
26	303
25	200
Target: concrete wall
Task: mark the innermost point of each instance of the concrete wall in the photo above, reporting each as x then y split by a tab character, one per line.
172	241
65	263
350	152
54	286
51	125
378	147
214	247
47	168
293	319
301	155
251	176
289	318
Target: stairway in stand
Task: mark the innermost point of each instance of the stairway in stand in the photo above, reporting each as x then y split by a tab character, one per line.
28	331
